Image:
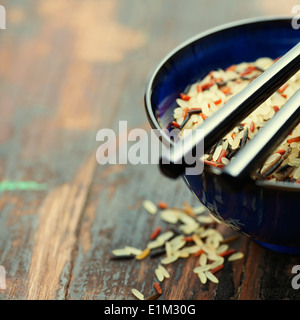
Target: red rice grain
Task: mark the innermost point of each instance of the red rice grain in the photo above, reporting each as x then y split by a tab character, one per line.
199	252
155	233
216	269
281	89
185	97
205	97
162	205
157	287
226	253
296	139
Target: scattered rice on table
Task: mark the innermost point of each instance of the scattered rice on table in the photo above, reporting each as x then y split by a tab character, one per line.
160	277
211	277
150	207
137	294
236	256
189	237
205	97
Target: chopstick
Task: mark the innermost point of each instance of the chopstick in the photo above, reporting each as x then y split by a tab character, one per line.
237	108
256	151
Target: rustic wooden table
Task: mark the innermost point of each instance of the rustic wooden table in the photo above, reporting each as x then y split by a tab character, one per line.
69	68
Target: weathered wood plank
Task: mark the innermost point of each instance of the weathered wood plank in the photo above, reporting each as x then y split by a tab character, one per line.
55	241
69	68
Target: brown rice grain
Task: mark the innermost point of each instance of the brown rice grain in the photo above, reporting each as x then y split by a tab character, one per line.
143	254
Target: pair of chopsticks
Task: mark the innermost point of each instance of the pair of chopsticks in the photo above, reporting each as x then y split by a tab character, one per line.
239	107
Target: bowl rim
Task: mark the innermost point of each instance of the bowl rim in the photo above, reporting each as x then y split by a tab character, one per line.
284	186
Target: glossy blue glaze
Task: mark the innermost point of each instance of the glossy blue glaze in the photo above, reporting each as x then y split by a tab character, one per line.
268	214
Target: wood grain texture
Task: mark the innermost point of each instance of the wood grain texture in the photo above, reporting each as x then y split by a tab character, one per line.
69	68
55	241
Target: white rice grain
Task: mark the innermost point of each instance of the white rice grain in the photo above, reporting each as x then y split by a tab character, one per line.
165	236
137	294
132	250
201	269
203	259
202	277
164	271
236	256
150	207
223	247
211	277
260	116
170	259
120	252
159	275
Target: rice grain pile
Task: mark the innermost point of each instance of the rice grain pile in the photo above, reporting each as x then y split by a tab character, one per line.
200	100
193	235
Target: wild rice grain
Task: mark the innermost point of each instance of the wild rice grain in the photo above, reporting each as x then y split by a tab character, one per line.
208	95
199	210
162	205
153	297
170	259
197	240
120	252
179	245
165	236
236	256
155	233
211	277
216	269
230	239
150	207
155	244
205	219
206	243
143	254
182	254
122	257
164	271
202	277
157	252
170	216
227	253
199	252
201	269
132	250
217	263
169	250
222	248
160	277
191	249
245	137
157	287
203	259
137	294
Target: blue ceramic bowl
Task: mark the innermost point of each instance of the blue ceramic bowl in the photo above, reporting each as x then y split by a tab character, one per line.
267	213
